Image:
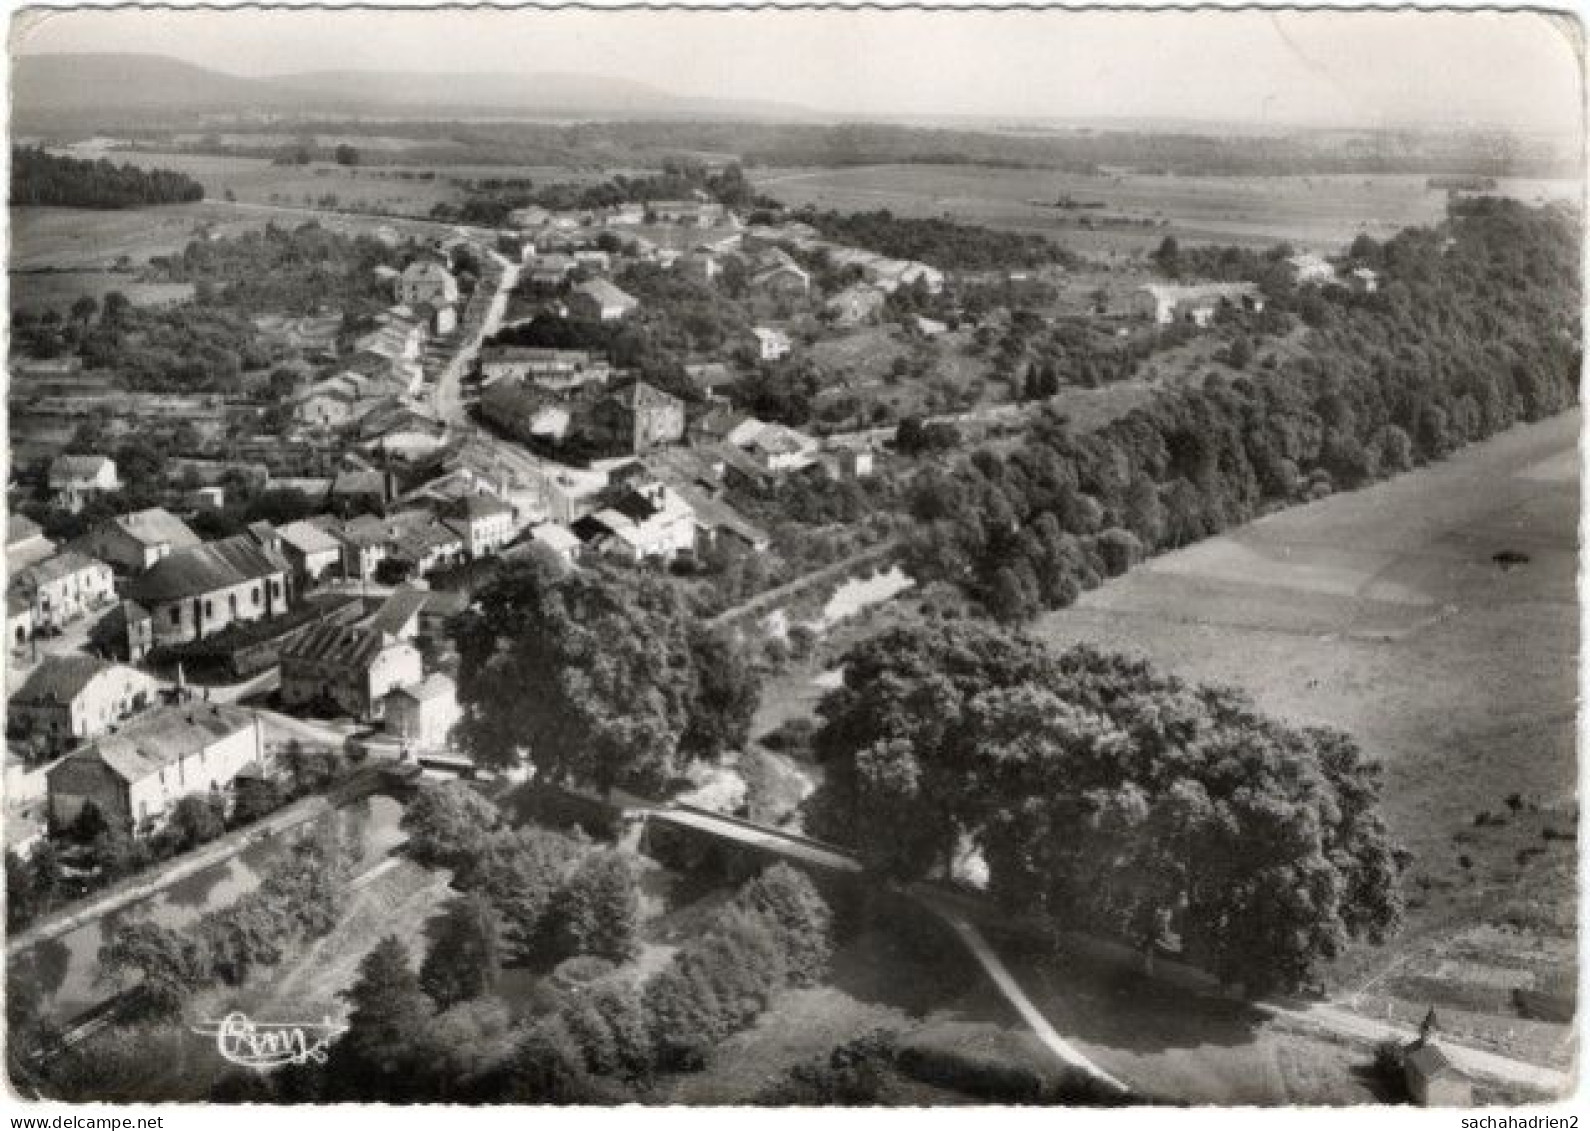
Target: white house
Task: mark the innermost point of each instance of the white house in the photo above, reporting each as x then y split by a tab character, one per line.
312	551
601	301
422	715
771	345
62	588
135	776
69	699
1309	268
74	480
485	524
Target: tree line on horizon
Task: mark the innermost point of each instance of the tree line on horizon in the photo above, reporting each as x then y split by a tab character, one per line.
41	178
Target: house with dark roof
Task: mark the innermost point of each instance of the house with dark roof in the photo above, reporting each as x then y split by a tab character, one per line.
25	543
636	417
133	542
75	479
135	776
347	668
1431	1077
198	591
72	698
399	615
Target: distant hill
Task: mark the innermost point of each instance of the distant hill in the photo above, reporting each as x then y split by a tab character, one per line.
106	90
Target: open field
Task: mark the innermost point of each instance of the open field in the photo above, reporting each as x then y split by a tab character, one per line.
1384	613
84	238
1321	211
39	291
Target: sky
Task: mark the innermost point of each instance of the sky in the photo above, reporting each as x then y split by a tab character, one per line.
1513	69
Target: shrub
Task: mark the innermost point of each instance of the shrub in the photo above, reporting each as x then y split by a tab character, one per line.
449	824
800	919
599	909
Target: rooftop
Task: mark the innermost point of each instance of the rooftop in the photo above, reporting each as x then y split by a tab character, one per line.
78	466
156	526
204	568
64	564
434	686
307	538
60	679
150	743
345	645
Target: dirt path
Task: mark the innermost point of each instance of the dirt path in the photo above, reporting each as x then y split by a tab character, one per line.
1012	992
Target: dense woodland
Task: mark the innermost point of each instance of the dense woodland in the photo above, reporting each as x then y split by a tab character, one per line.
40	178
1107	798
1475	328
277	269
943	243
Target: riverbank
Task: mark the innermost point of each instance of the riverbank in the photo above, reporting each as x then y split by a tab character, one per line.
134	889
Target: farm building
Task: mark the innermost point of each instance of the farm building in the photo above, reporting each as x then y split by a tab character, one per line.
771	345
1363	280
312	552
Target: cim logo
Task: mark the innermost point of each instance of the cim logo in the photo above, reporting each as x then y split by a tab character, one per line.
270	1044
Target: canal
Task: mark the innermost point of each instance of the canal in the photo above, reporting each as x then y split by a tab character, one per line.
67	966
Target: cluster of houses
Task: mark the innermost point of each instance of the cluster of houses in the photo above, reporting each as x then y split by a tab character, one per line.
385	364
1198	303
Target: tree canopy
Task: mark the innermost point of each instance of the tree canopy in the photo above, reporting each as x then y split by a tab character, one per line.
1106	796
598	676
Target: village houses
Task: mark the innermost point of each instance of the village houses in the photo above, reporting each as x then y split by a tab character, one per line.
135	541
62	588
196	592
25	543
600	301
135	776
422	716
75	479
348	668
637	417
69	699
312	552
